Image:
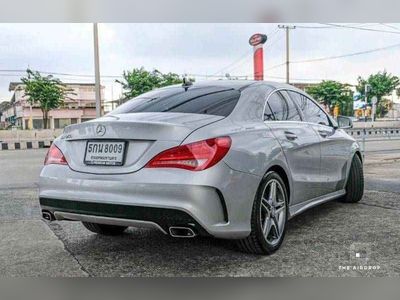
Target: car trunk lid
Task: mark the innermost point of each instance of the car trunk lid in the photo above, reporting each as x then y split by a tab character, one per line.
144	134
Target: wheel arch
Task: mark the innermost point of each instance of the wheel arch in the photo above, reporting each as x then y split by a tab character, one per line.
360	156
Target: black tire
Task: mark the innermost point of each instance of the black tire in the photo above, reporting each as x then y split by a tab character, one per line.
355	182
104	229
256	242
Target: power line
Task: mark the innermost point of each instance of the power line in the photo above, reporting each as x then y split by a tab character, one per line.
62	74
271	35
314	27
361	28
358	25
346	55
274	42
390	26
246	54
298	79
275	66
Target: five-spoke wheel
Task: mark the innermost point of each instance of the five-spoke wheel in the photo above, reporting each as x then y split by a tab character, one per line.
269	216
273	211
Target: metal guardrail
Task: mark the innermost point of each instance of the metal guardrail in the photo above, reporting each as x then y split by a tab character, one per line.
359	133
370	134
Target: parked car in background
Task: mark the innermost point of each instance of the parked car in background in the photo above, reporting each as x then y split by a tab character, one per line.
228	159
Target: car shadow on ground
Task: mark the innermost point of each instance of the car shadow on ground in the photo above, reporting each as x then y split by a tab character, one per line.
144	252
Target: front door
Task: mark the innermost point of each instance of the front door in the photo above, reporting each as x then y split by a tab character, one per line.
334	157
333	142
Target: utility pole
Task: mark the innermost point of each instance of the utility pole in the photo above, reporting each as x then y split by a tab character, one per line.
97	70
287	28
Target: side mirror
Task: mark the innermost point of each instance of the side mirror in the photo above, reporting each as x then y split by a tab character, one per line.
344	122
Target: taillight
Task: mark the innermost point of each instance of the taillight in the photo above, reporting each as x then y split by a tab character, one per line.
195	156
55	156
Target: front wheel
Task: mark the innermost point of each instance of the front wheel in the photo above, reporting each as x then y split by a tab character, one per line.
355	182
269	217
104	229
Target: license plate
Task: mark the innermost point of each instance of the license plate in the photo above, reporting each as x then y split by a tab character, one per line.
106	153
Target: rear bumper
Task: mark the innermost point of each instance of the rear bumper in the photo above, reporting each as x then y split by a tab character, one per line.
117	214
214	202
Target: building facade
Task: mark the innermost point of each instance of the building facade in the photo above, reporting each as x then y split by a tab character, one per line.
79	107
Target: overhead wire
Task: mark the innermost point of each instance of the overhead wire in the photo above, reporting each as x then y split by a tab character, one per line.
361	28
346	55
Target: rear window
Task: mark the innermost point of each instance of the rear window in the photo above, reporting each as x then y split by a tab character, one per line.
208	101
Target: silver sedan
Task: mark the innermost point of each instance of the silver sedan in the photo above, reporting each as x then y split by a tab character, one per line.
228	159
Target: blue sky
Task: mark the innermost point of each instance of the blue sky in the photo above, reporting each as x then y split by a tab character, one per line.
201	49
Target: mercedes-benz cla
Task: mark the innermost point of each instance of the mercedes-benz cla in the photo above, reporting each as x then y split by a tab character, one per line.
228	159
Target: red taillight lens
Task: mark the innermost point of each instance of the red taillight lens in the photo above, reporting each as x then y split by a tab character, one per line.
196	156
55	156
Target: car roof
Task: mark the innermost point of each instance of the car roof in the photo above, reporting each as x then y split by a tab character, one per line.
236	84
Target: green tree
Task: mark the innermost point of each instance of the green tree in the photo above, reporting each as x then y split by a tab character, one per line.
46	91
139	81
332	93
383	107
382	84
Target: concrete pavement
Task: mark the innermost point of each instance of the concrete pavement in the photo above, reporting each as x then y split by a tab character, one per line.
28	247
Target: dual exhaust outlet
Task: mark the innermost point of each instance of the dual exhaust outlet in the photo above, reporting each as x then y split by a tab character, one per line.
174	231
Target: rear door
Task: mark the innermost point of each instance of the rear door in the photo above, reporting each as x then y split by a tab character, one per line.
300	144
334	145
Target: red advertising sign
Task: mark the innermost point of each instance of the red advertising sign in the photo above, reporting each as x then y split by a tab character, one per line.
257	39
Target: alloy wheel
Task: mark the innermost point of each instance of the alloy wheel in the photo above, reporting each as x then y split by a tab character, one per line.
273	212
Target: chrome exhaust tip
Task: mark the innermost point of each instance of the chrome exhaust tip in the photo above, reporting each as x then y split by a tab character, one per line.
48	216
181	232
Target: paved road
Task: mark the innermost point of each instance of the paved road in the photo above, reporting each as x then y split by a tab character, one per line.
318	242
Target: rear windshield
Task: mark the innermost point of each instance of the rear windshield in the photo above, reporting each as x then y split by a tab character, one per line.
204	100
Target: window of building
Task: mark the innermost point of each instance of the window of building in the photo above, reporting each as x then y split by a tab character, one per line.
86	119
61	123
37	123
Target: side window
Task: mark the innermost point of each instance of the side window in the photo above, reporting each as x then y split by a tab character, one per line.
282	109
293	113
278	107
268	116
311	111
314	114
300	100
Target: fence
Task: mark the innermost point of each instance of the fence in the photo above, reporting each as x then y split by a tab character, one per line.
360	133
382	135
27	139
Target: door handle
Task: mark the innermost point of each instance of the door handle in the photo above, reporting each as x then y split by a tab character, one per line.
290	135
323	133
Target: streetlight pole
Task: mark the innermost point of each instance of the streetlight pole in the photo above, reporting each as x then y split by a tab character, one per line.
287	28
97	70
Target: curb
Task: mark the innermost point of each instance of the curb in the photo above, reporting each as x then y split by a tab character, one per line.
24	145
